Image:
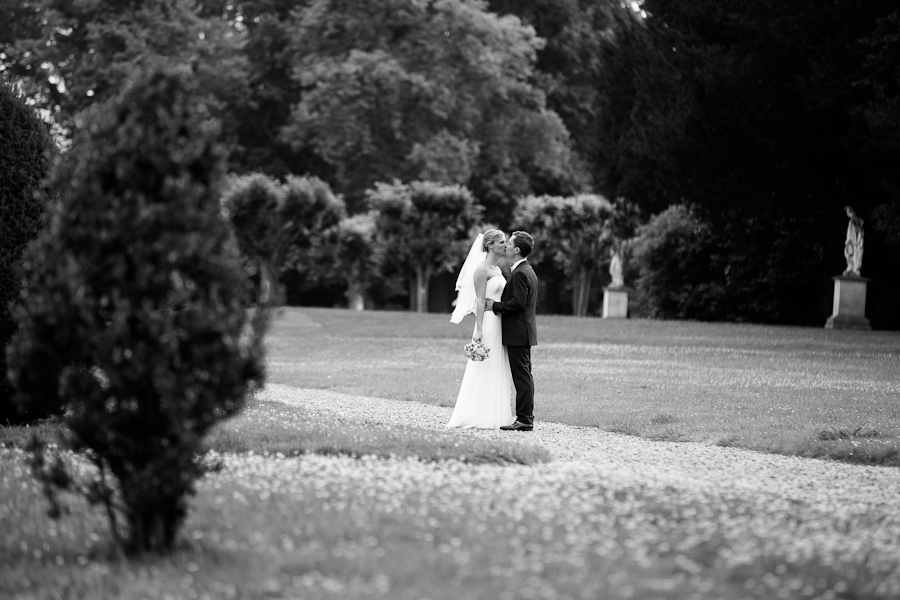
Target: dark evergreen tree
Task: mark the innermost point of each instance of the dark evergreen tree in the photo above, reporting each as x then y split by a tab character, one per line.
140	280
674	257
578	68
769	118
24	159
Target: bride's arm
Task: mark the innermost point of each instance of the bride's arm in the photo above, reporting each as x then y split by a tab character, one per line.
480	291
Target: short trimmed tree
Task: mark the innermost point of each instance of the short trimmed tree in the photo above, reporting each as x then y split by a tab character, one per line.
312	212
676	258
24	160
283	226
575	233
425	228
140	277
359	256
252	203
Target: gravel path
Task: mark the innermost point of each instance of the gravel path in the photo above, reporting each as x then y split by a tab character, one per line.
837	486
757	504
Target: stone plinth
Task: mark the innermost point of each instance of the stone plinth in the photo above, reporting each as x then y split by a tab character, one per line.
849	311
615	303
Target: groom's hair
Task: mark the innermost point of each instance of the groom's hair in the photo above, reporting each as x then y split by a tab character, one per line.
524	242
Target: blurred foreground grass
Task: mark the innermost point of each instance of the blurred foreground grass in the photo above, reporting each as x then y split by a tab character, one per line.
316	528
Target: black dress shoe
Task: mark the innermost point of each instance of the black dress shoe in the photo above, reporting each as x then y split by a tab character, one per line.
517	426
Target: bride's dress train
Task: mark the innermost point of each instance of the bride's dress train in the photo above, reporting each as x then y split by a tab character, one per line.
486	392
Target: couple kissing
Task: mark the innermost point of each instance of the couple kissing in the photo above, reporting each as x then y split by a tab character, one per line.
505	324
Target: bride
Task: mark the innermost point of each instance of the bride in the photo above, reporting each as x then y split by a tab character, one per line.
486	390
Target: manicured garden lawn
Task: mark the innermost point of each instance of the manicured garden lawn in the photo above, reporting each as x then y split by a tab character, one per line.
314	506
796	391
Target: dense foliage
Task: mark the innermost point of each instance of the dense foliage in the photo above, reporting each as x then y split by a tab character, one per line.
675	259
434	91
24	160
769	118
80	53
138	285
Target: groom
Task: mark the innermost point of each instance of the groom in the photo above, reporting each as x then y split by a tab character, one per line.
517	307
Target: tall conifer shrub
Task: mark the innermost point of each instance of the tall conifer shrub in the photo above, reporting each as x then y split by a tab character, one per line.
139	278
24	147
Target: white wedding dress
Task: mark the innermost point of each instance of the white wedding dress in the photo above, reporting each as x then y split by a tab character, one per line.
486	392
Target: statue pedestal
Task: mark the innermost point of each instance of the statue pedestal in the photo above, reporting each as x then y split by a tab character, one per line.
615	303
849	310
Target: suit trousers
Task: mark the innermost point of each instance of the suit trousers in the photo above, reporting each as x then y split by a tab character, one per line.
520	366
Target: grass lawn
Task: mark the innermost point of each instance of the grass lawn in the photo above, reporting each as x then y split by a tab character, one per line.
313	507
279	429
788	390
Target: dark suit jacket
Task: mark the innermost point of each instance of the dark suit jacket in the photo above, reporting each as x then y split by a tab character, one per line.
517	307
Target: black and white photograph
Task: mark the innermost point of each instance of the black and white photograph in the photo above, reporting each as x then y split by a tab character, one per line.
449	300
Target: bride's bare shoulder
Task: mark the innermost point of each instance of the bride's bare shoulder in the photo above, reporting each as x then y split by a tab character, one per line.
487	270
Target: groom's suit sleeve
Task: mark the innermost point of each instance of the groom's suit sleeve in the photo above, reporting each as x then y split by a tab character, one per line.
517	299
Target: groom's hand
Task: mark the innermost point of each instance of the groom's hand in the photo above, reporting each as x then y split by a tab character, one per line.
489	304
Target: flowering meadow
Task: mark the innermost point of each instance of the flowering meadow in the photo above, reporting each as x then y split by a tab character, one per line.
353	489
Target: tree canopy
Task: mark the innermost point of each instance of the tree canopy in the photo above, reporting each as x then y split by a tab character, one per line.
414	90
766	118
423	227
769	118
574	234
77	53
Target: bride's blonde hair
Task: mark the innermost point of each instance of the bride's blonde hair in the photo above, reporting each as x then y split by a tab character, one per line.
491	236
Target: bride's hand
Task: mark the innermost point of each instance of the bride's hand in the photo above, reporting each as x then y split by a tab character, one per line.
477	336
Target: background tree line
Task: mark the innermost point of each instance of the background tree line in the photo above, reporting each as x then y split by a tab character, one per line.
761	120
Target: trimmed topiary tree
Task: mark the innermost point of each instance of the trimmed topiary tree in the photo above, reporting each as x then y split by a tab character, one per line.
360	255
253	203
140	276
677	261
284	226
575	233
425	227
24	160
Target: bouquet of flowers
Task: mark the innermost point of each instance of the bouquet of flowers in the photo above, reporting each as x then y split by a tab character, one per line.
477	351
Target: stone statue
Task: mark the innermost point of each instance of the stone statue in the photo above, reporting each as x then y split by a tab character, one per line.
853	247
615	267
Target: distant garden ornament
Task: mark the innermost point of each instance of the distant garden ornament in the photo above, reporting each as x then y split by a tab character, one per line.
849	306
853	247
615	295
615	268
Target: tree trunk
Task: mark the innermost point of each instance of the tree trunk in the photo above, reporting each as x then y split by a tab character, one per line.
412	294
149	532
423	277
355	298
581	293
269	291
